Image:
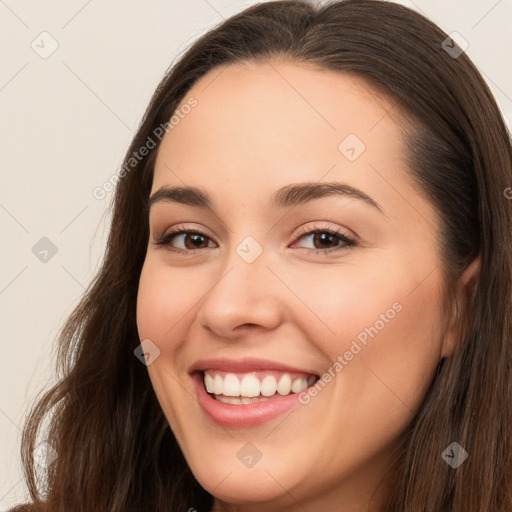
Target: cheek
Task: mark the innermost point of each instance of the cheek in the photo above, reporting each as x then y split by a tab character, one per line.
162	305
163	301
380	324
344	303
406	357
400	336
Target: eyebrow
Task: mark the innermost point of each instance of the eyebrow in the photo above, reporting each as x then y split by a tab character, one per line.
288	196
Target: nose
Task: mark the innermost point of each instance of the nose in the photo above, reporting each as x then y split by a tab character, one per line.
243	298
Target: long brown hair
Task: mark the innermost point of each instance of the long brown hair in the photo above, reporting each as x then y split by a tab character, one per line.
115	449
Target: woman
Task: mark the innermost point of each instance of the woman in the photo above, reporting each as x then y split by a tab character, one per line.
305	302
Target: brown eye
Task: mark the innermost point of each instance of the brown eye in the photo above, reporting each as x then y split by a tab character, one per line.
194	241
327	240
183	241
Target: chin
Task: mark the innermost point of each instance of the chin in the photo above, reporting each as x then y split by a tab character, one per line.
242	486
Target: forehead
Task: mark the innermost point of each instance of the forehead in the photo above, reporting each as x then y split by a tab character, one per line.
276	123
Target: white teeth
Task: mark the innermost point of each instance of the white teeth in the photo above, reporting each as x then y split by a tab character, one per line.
250	389
284	385
268	385
299	384
238	400
231	385
250	386
229	400
208	382
218	385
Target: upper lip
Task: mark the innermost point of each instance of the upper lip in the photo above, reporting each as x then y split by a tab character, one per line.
248	364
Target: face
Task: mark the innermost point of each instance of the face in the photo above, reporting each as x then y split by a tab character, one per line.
320	304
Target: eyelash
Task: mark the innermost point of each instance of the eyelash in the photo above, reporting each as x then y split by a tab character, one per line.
348	242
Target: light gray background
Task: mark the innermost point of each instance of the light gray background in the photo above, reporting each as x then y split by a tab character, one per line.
66	121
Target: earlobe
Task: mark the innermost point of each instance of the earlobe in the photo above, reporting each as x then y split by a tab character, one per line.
466	287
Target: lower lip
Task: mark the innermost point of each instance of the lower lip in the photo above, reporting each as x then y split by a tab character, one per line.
242	416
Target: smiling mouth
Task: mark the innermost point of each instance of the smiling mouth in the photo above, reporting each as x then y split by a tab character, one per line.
258	386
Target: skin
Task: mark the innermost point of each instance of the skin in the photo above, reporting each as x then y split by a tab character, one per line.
256	128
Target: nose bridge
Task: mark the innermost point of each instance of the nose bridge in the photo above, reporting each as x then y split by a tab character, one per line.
246	263
243	292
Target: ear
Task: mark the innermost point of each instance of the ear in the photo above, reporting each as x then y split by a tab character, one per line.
466	287
469	278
